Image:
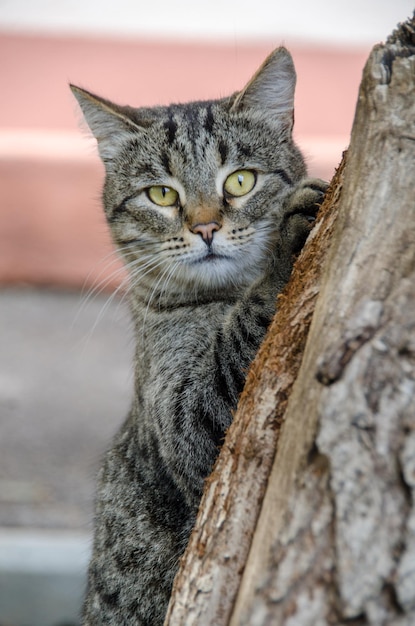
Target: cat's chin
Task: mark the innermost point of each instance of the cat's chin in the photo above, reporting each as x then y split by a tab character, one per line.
217	272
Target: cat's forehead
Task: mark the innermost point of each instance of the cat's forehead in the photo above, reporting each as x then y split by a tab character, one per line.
205	131
194	119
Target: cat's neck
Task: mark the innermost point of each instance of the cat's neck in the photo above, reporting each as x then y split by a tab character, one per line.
158	301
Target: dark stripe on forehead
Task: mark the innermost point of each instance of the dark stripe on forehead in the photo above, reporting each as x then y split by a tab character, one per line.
171	127
191	116
192	126
223	151
244	149
210	120
166	162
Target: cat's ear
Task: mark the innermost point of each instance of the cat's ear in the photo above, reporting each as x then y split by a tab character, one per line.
109	123
271	89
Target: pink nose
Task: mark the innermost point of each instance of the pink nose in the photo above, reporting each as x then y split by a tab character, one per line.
206	231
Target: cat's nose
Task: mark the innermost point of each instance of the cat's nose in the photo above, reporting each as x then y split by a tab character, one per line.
206	231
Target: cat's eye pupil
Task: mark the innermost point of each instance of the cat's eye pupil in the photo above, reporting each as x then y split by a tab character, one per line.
163	195
239	183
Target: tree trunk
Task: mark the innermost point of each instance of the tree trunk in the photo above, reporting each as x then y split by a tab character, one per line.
324	533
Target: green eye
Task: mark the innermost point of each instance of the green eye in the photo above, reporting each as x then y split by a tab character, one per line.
240	183
163	196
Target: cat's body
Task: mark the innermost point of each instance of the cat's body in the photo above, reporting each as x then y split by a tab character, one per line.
207	203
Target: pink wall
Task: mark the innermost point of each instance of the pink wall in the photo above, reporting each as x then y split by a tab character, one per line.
35	72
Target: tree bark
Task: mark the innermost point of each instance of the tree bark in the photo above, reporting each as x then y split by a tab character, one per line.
309	516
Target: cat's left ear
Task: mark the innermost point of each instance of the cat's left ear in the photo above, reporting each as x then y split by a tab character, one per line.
271	89
109	123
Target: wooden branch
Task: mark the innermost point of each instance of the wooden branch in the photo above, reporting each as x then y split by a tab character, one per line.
336	536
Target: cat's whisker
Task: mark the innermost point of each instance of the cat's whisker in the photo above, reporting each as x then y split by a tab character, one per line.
99	289
138	270
167	271
103	310
108	278
108	302
103	264
114	257
172	270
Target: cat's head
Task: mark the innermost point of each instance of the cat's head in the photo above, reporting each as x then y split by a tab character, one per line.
193	192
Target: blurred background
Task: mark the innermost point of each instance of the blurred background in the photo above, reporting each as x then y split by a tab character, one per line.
65	339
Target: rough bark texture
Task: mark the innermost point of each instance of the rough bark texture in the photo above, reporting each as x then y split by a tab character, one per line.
335	540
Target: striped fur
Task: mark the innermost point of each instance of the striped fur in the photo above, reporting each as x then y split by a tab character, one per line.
201	304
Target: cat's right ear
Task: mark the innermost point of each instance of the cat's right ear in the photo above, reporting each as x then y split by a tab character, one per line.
271	90
108	122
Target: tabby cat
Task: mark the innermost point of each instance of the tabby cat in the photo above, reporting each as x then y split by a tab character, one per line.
207	202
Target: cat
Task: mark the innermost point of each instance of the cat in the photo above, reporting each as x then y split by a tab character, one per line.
207	202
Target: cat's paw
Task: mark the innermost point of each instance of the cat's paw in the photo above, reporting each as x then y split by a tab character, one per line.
301	210
307	198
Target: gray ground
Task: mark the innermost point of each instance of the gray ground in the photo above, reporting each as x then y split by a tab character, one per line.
65	386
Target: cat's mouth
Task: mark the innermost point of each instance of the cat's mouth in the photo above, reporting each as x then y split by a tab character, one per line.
211	256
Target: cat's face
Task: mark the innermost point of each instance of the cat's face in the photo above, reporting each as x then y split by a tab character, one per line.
193	192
